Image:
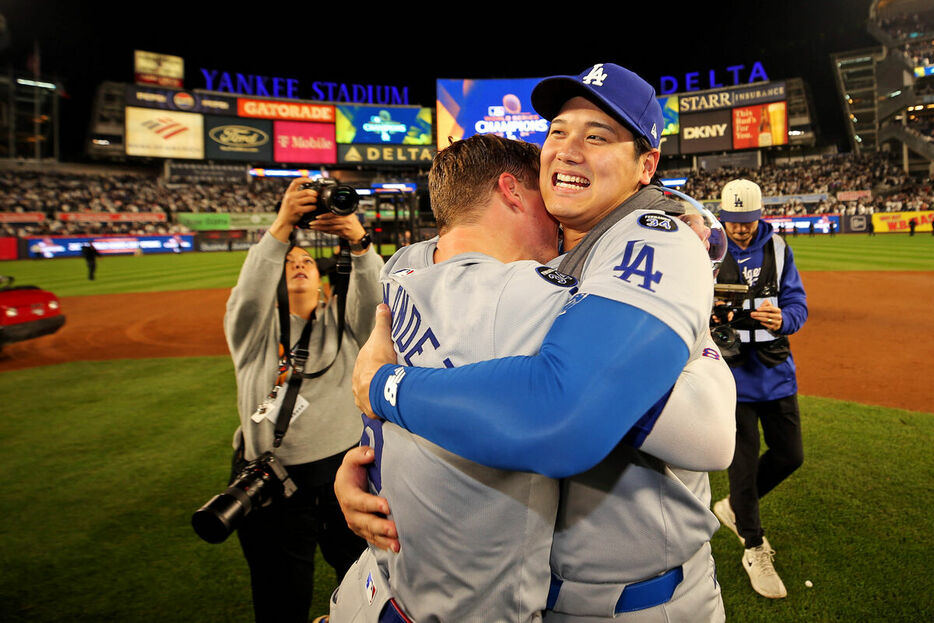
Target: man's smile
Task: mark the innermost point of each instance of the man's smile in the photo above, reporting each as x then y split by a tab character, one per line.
571	182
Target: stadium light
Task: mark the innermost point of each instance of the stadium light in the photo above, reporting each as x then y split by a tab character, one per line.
34	83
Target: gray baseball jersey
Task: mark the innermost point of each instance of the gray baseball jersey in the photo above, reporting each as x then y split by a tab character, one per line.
630	518
475	541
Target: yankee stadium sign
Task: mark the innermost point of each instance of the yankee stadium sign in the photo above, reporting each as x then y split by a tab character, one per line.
271	86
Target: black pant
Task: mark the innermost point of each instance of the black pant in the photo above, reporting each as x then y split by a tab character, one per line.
752	476
279	543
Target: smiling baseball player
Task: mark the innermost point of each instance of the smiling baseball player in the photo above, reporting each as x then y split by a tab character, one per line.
475	540
632	538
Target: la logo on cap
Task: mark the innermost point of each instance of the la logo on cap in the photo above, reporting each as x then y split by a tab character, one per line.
596	76
737	201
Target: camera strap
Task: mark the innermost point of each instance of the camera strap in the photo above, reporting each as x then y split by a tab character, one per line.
297	358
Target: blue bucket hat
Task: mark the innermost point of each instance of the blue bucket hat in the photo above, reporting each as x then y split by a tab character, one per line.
620	92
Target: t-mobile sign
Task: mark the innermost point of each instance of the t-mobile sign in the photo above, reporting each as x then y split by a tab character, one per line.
305	142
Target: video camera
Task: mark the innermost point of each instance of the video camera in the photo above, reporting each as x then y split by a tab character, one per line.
728	299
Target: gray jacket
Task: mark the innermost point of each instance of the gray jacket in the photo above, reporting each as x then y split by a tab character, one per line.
331	423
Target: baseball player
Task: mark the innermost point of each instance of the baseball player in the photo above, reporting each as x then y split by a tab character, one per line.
631	537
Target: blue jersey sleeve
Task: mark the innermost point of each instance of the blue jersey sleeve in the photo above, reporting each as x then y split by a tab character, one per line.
602	366
791	297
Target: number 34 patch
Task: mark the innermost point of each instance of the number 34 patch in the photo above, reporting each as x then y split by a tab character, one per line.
658	221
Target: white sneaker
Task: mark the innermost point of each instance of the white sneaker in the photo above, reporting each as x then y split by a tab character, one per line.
727	517
757	562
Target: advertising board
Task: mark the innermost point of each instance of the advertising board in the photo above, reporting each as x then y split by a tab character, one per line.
304	142
763	125
233	138
710	131
164	133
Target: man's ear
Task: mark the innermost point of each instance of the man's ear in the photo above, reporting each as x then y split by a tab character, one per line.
508	187
649	165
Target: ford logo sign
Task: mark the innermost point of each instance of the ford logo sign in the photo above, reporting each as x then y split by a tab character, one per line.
238	136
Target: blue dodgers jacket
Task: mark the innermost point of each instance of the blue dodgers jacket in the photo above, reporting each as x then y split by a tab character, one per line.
754	381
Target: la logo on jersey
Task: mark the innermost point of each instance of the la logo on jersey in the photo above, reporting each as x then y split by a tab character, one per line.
596	76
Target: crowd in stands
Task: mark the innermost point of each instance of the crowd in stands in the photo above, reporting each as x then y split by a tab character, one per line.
52	193
827	175
915	34
922	126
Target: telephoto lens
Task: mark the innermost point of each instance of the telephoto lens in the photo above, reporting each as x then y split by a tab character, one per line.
257	485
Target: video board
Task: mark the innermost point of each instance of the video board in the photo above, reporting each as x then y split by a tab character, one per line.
502	107
383	125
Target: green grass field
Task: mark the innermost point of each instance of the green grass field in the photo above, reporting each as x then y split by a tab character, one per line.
101	482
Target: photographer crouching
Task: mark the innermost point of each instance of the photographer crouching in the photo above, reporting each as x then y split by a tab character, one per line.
279	529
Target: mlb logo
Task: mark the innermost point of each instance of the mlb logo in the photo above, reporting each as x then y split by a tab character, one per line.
370	586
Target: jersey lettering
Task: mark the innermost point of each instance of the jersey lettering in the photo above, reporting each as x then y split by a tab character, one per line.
640	266
406	327
751	276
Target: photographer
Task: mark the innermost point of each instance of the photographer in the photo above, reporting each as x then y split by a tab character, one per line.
774	307
279	540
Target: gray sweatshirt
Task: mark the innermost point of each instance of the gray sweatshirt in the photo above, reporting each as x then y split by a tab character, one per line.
330	423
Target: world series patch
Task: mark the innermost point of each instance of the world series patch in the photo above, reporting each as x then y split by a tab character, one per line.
658	221
553	277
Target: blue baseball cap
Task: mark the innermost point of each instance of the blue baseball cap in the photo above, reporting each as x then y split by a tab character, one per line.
620	92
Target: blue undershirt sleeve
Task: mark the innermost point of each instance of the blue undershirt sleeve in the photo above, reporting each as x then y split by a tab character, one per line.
602	366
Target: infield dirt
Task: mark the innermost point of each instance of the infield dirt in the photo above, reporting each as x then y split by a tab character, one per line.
868	338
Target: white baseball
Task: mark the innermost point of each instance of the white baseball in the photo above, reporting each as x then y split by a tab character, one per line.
808	583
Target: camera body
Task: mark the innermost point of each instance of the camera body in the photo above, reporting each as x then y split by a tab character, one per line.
333	197
728	298
261	481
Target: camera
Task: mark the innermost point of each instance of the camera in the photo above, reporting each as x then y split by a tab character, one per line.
728	298
333	197
260	482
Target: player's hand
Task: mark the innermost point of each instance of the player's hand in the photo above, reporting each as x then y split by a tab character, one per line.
362	509
295	203
347	227
377	352
769	316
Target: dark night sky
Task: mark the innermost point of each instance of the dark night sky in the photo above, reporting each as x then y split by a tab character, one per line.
84	43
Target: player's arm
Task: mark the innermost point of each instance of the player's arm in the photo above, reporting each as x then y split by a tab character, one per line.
602	365
696	430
